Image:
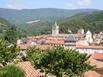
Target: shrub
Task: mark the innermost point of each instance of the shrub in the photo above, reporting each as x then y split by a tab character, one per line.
11	71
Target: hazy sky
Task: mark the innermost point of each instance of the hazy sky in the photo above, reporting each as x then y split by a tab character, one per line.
63	4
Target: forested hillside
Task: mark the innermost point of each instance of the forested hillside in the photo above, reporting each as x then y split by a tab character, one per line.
67	19
92	21
9	31
47	17
24	15
89	21
4	24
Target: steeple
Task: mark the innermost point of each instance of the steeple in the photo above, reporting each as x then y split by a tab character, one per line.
88	32
69	31
55	28
88	37
55	23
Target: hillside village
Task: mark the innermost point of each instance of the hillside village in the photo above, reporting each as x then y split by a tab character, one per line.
51	38
83	41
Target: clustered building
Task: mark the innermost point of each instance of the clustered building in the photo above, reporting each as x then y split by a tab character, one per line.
84	42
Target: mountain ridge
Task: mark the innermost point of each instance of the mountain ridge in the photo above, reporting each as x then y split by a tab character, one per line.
24	15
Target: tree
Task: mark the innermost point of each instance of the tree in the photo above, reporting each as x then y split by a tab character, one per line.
8	52
59	61
10	35
11	71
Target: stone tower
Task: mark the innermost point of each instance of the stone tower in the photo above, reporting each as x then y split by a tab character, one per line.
88	37
55	28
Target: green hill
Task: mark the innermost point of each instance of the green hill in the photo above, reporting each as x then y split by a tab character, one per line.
85	18
47	16
6	27
92	21
38	27
24	15
4	24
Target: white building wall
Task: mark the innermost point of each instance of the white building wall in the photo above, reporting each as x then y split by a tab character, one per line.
89	51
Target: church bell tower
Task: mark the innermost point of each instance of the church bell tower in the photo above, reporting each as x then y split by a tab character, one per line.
55	28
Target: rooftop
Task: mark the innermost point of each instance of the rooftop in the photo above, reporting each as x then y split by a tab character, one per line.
97	56
29	69
55	41
92	74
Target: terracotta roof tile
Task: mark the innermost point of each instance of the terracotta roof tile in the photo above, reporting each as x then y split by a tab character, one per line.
29	69
92	74
97	56
96	63
55	41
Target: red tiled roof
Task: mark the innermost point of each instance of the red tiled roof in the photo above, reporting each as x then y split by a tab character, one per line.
55	41
29	69
97	56
92	74
96	63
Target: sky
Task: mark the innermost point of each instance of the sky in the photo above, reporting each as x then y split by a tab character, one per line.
62	4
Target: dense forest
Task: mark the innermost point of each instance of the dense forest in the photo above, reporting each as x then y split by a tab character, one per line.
9	32
4	25
92	21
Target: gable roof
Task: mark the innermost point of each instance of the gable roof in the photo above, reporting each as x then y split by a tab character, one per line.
98	64
92	74
29	69
72	37
97	56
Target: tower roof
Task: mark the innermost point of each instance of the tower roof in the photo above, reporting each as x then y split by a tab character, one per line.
55	23
88	32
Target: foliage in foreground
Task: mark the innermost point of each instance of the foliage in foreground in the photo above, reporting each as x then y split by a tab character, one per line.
11	71
58	61
8	52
